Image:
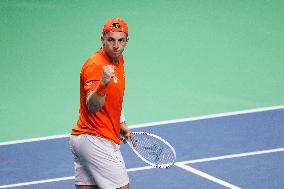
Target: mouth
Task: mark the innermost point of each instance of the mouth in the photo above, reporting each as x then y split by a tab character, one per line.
116	52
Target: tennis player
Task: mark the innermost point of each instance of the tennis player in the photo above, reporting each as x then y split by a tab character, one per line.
95	139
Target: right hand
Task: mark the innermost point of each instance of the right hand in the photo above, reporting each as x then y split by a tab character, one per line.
108	73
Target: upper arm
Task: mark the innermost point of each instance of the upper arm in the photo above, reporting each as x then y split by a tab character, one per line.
90	79
91	76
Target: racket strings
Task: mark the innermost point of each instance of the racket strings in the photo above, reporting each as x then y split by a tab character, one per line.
153	150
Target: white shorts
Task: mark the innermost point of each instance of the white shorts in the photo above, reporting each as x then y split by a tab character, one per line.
98	162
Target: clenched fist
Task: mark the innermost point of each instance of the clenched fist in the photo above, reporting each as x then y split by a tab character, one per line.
108	73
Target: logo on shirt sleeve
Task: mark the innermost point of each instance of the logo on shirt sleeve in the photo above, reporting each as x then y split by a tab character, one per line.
89	83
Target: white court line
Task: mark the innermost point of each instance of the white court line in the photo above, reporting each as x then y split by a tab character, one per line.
37	182
180	164
64	178
151	124
34	139
209	116
207	176
214	179
140	168
234	156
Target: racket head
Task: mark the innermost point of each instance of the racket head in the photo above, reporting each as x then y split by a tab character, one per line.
152	149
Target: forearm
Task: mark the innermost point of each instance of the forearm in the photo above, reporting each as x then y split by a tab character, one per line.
96	99
123	125
125	131
95	102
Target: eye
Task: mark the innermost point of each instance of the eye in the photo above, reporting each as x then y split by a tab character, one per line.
110	39
122	40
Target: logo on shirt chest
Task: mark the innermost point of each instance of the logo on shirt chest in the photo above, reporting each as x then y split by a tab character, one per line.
115	79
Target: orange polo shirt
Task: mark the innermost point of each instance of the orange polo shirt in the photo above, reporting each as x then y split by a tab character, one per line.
106	122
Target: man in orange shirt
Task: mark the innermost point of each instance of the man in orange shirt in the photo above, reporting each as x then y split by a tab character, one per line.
95	139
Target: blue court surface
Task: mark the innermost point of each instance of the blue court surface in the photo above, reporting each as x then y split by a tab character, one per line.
232	150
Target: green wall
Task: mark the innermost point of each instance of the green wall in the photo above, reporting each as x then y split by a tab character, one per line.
184	59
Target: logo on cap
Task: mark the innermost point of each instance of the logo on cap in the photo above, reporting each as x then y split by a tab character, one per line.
114	25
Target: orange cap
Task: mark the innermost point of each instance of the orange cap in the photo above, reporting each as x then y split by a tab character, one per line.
115	25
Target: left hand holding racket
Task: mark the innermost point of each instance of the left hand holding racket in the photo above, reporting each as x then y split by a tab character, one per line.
124	132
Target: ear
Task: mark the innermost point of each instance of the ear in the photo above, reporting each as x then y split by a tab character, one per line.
102	38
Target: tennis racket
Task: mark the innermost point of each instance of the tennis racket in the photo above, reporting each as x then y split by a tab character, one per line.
152	149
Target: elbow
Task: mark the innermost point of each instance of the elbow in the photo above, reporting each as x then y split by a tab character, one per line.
94	105
93	108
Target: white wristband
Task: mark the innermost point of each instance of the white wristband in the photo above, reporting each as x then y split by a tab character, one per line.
122	118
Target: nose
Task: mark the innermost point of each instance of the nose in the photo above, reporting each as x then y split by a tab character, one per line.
115	45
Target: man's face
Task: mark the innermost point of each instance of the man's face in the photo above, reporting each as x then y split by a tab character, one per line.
113	44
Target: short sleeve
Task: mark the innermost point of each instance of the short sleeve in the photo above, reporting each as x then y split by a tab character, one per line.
91	77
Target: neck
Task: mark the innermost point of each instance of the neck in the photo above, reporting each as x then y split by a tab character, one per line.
115	61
